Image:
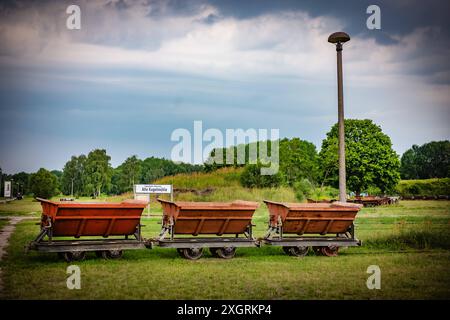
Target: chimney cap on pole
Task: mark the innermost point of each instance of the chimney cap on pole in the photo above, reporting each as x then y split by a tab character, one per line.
338	37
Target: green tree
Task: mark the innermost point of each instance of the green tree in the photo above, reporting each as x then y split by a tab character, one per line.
409	168
370	159
134	171
73	174
43	184
97	173
431	160
126	175
21	182
251	177
298	160
58	175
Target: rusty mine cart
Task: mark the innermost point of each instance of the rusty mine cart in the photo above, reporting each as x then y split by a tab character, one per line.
69	220
212	220
323	226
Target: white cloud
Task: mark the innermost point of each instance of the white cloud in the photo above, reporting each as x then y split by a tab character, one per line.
285	43
288	45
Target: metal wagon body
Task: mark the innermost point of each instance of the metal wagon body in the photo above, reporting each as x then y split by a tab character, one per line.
371	201
108	226
227	225
323	226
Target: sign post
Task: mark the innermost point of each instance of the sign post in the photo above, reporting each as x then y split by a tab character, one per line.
7	190
145	190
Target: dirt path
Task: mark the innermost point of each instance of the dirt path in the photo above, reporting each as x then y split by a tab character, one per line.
5	233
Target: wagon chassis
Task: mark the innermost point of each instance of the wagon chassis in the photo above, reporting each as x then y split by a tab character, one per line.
325	245
81	246
191	248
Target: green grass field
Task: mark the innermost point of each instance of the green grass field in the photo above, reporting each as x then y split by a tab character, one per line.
3	222
410	242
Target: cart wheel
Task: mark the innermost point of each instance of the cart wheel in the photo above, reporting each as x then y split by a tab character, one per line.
192	253
226	253
331	251
74	256
287	250
109	254
214	252
114	254
298	251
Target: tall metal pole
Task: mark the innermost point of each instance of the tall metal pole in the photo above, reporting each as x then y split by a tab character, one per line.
342	177
338	38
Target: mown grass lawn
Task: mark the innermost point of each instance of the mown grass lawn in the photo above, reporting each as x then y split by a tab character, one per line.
410	242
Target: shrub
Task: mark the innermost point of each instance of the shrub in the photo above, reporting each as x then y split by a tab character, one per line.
424	188
374	191
303	189
325	193
43	184
251	177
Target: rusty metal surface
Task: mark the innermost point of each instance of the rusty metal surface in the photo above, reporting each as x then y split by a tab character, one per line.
320	201
369	201
77	219
312	218
217	218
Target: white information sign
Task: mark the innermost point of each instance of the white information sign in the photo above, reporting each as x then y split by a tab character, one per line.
152	188
143	192
7	193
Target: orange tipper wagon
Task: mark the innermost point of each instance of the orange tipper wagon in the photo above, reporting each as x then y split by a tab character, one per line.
323	226
223	227
108	226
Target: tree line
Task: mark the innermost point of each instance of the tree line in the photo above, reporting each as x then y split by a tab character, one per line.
93	175
371	163
430	160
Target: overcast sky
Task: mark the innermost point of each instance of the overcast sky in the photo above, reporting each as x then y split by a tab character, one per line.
137	70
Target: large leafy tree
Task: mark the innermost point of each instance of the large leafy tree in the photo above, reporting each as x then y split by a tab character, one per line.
131	170
97	172
73	174
370	159
58	175
431	160
298	160
43	184
127	174
21	182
